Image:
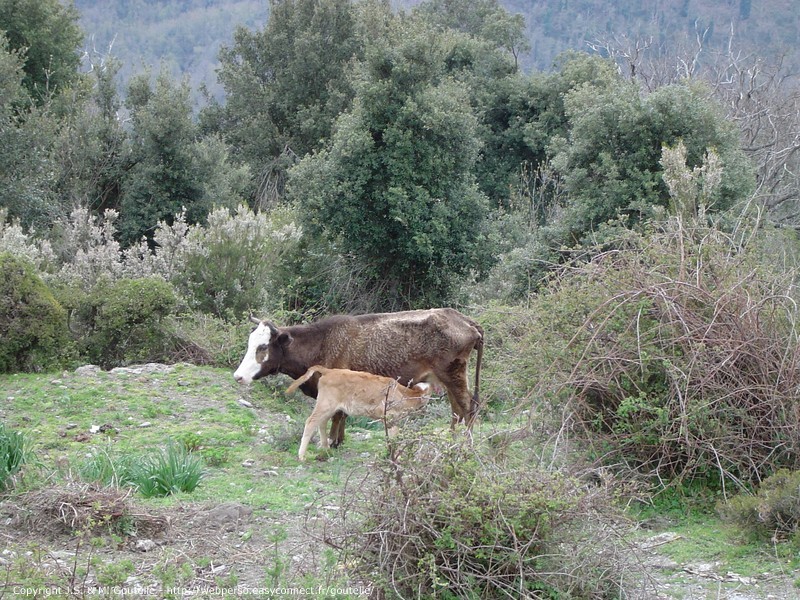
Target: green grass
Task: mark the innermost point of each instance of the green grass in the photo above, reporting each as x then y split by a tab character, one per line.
13	454
250	455
198	406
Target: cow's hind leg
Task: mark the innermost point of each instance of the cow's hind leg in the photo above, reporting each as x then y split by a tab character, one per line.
337	429
454	379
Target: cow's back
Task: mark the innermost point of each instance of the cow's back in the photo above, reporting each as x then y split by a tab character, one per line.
403	344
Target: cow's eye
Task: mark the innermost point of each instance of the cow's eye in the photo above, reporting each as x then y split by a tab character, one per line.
261	352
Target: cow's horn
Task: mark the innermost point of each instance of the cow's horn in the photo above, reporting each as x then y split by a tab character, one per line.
255	320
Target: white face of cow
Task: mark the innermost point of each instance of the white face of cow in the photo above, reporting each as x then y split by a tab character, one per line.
256	353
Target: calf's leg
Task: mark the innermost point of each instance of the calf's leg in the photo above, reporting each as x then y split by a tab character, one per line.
315	422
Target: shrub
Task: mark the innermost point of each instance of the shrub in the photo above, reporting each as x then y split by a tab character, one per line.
773	511
12	455
33	325
122	321
205	339
444	519
678	353
228	266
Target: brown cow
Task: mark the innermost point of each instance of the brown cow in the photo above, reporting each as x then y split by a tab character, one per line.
355	393
410	346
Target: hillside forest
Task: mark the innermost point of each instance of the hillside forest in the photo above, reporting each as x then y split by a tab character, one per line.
623	224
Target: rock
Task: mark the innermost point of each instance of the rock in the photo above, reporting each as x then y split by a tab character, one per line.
145	545
245	403
248	462
226	516
660	539
662	563
88	370
146	424
142	369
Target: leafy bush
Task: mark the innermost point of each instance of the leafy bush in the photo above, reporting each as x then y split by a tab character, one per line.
774	510
227	267
122	321
205	339
12	455
33	325
444	519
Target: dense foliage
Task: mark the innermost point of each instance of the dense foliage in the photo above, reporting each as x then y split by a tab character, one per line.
33	326
611	221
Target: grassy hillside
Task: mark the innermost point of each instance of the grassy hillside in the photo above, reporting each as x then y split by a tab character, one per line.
258	517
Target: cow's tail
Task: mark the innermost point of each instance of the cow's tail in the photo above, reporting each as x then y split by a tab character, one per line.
478	359
305	377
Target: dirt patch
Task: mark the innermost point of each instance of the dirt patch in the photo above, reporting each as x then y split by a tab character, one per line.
197	551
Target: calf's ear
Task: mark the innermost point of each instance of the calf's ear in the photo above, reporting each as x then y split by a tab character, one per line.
284	339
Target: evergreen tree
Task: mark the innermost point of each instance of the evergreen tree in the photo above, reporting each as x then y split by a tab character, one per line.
396	188
285	86
49	37
172	168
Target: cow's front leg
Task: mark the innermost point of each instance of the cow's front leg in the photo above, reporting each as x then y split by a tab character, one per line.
337	429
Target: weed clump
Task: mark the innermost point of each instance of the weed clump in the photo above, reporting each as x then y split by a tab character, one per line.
164	472
443	517
773	511
12	455
168	472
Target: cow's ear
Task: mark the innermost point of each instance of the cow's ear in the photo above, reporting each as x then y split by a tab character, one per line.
284	339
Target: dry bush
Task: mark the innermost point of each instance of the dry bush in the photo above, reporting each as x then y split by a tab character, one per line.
77	508
682	354
443	518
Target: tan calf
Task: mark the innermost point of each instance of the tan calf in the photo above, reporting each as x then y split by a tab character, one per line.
355	393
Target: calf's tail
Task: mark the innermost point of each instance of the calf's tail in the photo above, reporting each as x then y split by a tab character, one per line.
305	377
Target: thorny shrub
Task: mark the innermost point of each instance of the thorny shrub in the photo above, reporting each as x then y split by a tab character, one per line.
443	518
679	349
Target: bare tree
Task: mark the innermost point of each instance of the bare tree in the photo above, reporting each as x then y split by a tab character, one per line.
760	95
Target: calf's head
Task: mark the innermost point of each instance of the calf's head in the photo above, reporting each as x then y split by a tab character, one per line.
414	399
264	352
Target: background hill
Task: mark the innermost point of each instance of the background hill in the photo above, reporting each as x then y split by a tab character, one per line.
183	36
186	35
